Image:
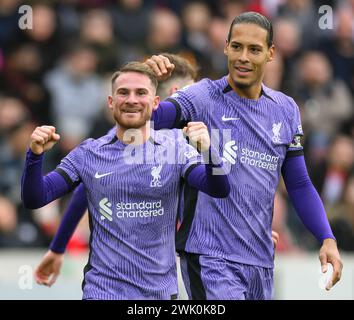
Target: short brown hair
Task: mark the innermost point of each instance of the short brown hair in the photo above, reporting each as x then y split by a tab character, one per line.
138	67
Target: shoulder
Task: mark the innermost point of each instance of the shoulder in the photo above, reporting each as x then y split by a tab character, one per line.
112	131
200	89
280	99
93	144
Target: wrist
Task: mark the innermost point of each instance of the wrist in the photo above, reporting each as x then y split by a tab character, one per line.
329	240
34	151
33	154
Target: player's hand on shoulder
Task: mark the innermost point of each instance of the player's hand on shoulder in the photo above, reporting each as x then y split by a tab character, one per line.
43	138
48	270
161	66
198	135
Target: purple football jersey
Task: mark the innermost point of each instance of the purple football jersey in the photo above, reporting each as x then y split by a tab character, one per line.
254	137
132	194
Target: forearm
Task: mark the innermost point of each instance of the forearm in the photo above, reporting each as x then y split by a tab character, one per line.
38	190
305	198
70	220
208	178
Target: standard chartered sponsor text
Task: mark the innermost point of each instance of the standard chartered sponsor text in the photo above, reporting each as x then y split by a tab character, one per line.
143	209
259	159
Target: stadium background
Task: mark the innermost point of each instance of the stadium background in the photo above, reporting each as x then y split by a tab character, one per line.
58	73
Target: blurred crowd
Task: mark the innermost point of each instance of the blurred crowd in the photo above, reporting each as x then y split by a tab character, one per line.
58	73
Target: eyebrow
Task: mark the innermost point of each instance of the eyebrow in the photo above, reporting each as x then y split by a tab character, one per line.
251	44
135	89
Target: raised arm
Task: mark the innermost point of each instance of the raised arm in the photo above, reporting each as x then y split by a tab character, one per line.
38	190
207	177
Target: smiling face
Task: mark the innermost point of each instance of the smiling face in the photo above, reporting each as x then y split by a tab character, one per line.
133	99
247	54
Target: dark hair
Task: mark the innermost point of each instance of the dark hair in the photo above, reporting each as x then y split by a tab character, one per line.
254	18
138	67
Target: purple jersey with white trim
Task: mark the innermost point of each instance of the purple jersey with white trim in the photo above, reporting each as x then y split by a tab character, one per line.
132	194
254	138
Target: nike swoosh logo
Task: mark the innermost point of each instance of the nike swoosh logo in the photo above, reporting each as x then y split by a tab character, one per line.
97	175
228	119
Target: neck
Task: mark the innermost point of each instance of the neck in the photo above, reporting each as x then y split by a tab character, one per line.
133	135
252	92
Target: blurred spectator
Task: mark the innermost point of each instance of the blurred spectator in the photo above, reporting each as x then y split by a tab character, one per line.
9	17
274	73
8	217
23	76
97	31
95	3
326	102
44	35
17	226
341	217
303	13
196	18
131	20
340	48
68	18
216	64
287	40
1	61
77	94
164	32
229	9
331	175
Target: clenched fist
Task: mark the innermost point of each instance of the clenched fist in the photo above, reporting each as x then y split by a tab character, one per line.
198	135
161	66
43	138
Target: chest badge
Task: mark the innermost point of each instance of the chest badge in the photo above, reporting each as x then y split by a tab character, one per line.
156	177
276	132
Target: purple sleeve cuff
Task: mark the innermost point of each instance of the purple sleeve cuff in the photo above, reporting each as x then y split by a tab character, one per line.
203	177
305	198
38	190
166	116
71	218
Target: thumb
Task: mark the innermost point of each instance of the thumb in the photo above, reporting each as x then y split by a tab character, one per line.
53	279
323	260
56	136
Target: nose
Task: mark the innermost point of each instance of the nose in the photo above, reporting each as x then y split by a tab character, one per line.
244	55
132	98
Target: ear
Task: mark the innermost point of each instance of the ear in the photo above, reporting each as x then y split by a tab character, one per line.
110	102
226	48
156	103
271	53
